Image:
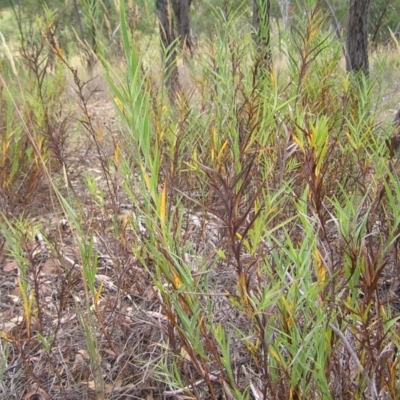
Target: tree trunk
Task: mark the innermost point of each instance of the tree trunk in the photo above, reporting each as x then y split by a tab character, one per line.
357	36
184	26
284	6
181	10
261	16
167	34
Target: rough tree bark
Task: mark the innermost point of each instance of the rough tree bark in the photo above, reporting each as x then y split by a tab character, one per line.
167	33
357	36
181	10
261	24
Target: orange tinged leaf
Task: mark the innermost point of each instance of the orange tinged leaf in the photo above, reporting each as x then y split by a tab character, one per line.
59	52
221	151
393	375
177	281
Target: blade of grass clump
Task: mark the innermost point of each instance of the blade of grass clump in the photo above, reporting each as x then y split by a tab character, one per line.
133	105
15	234
85	312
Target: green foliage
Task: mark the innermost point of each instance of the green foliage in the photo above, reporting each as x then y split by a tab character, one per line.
263	219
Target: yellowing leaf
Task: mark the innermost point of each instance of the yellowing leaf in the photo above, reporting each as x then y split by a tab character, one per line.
6	336
244	241
314	32
298	142
242	286
27	305
272	78
98	294
214	134
119	103
194	156
117	154
221	151
253	347
288	315
214	142
177	281
59	52
145	176
163	204
319	266
393	370
275	355
99	133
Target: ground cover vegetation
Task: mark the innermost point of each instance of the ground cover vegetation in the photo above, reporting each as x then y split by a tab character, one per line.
232	235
